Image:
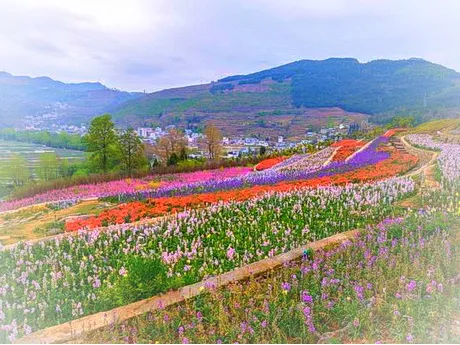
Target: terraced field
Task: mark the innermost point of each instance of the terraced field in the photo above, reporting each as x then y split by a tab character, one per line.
157	235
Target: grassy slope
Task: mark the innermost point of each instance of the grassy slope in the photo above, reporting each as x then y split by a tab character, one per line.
438	125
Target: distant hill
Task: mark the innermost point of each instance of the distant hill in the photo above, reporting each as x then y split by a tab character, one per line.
71	103
289	98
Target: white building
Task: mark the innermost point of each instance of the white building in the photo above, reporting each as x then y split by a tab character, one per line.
145	132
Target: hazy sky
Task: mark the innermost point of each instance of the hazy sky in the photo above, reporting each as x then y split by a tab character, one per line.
155	44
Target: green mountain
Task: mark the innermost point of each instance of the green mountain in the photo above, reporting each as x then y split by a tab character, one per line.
22	97
304	93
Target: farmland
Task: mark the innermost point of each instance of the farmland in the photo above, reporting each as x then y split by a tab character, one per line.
32	151
138	238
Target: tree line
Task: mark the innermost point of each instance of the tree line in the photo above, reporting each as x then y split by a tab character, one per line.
60	140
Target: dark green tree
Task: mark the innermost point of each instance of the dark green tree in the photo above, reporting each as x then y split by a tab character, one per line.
173	159
100	140
402	122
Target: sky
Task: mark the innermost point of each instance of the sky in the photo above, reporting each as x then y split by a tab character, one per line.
151	45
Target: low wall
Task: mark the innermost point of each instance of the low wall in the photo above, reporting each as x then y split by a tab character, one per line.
70	331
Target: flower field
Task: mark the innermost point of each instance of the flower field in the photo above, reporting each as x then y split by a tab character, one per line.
309	171
249	216
269	163
393	284
114	188
449	158
345	149
295	169
57	281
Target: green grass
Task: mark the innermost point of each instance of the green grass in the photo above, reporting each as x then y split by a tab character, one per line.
432	127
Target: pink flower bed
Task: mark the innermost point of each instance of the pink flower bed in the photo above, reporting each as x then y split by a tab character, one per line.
112	188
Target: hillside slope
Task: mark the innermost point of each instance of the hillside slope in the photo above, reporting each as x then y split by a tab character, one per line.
71	103
280	97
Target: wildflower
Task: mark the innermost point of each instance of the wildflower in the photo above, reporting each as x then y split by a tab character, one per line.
359	292
411	285
27	329
286	287
96	283
230	253
356	322
199	316
123	272
429	289
409	338
306	297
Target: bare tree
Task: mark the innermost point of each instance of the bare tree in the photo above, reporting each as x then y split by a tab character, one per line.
131	150
213	141
172	143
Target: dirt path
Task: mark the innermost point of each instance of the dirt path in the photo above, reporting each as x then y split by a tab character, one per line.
428	164
2	213
35	222
147	221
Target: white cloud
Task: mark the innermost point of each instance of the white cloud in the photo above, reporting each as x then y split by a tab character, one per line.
142	44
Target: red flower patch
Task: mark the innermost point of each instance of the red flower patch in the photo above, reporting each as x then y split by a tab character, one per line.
268	163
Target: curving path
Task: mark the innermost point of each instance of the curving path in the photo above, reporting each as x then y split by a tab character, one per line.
427	169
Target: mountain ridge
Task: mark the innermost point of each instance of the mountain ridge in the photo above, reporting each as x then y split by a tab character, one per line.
287	100
379	88
22	97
